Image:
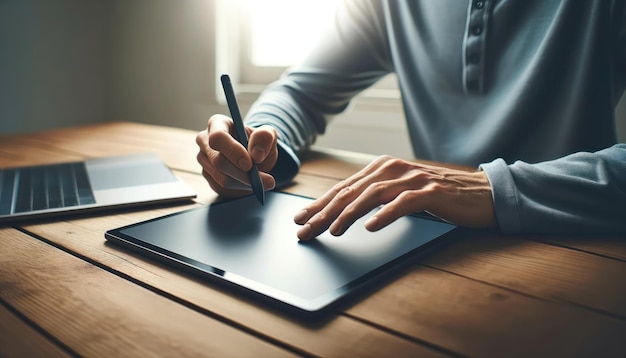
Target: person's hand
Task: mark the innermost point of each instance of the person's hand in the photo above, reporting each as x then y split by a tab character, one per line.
226	163
401	187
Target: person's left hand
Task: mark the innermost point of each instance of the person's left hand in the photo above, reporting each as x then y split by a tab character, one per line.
401	187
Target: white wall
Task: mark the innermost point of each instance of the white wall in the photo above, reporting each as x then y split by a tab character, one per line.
69	62
51	64
160	62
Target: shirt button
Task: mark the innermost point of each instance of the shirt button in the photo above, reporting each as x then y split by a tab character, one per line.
477	30
479	4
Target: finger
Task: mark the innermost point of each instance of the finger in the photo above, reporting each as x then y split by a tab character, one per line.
379	184
202	140
270	160
382	185
221	164
261	143
269	182
373	196
203	160
213	161
320	203
230	190
220	139
404	204
323	219
223	172
317	224
237	181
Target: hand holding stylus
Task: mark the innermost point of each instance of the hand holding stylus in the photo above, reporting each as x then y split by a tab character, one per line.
227	163
242	136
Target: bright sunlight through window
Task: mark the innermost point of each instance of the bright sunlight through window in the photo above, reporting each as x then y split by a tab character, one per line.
282	30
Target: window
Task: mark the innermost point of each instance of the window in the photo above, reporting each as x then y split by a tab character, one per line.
258	39
270	43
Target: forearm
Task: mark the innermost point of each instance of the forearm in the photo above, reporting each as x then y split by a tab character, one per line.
579	193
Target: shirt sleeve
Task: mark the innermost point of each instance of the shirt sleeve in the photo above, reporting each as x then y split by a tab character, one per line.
580	193
286	167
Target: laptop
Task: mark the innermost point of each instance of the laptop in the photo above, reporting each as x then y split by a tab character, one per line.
62	188
254	250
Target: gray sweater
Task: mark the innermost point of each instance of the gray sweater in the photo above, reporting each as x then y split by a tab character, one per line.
523	89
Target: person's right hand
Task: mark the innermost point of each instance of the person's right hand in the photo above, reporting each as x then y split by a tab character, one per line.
226	163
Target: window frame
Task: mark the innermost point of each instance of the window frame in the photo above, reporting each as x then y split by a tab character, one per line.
232	56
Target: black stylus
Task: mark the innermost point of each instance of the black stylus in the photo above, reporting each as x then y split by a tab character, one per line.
242	136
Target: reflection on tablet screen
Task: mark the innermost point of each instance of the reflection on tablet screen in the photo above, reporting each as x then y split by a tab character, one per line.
257	247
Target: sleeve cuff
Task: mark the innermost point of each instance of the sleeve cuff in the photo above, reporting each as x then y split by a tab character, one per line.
505	198
287	165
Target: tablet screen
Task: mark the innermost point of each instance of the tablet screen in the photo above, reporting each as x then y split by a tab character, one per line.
256	247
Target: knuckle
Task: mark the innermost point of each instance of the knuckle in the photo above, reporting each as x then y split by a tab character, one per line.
215	138
339	186
264	133
218	162
381	192
318	218
351	211
419	176
348	215
200	157
269	128
200	138
217	117
384	158
345	194
378	189
394	165
409	195
381	161
434	187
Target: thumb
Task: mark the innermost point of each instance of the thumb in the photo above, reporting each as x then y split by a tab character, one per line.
261	143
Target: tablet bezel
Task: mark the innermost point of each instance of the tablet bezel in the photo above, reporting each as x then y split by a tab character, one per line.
285	301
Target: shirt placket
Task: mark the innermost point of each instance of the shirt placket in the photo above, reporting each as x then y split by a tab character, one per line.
474	46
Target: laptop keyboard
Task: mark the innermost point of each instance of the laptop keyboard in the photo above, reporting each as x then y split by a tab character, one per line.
44	187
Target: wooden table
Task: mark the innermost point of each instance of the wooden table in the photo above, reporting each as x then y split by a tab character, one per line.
65	291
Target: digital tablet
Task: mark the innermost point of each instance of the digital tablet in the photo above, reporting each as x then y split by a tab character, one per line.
255	248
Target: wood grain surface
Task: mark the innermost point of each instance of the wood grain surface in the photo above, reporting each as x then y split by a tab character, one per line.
66	291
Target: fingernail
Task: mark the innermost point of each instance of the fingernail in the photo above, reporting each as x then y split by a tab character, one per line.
372	223
336	229
301	217
271	186
304	233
